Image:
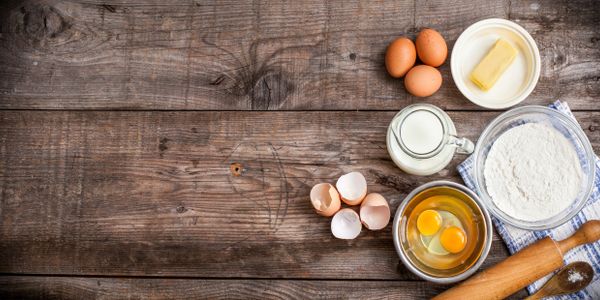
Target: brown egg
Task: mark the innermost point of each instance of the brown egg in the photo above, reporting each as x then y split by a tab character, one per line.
423	80
400	57
431	47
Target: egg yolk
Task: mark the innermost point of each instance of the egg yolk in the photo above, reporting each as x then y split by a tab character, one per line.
429	222
453	239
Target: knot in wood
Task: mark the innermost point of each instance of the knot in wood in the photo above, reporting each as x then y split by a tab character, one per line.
41	22
236	169
181	209
270	91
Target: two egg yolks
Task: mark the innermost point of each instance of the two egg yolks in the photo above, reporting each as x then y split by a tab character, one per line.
452	238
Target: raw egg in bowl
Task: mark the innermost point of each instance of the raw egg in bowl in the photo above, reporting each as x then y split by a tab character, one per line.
442	233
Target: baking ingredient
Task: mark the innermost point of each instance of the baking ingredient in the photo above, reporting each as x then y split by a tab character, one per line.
325	199
421	131
423	81
352	188
431	47
491	67
456	242
429	222
532	172
453	239
345	224
400	56
575	276
375	212
416	139
445	240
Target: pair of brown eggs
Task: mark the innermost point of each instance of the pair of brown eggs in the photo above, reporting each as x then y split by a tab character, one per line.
401	55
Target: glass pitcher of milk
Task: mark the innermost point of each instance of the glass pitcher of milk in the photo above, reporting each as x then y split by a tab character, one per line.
421	139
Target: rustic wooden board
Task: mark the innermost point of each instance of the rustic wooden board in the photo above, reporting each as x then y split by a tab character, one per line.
239	55
151	201
152	193
19	287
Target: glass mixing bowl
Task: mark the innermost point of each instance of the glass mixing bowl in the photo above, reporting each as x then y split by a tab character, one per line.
551	117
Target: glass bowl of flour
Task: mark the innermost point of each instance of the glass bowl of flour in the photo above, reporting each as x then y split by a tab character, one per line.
534	167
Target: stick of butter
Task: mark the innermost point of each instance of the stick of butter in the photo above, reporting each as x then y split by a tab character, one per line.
491	67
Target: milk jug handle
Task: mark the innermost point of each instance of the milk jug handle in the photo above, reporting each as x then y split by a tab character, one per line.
463	145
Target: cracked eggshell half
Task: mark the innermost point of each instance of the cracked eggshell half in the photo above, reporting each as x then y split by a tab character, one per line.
352	188
325	199
375	212
345	224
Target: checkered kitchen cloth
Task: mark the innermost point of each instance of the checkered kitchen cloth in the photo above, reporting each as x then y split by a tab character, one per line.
517	239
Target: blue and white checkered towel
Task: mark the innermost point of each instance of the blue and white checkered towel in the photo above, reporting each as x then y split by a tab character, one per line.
517	239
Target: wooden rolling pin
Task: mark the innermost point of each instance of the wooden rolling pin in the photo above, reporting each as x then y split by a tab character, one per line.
523	268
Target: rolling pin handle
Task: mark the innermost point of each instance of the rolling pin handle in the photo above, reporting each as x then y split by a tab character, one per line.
589	232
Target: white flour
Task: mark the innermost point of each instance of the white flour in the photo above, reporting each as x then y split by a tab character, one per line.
532	172
575	276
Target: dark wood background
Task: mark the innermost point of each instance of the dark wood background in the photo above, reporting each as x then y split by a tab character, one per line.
120	122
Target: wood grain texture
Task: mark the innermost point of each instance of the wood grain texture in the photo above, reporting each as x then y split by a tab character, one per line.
35	287
153	193
568	36
242	55
89	288
215	200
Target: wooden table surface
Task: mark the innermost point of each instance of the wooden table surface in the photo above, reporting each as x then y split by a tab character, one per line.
120	122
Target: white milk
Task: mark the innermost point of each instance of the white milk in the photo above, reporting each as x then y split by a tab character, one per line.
422	132
422	139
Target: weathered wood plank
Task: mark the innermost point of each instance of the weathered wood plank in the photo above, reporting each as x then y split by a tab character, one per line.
568	36
239	55
35	287
152	193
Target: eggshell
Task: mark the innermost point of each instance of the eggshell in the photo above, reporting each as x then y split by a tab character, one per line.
431	47
325	199
345	224
375	212
423	81
400	56
352	188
